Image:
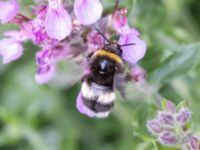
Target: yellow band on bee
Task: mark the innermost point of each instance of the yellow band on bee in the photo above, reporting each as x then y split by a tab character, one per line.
108	54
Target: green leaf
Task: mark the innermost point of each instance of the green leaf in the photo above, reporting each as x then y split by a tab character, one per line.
177	64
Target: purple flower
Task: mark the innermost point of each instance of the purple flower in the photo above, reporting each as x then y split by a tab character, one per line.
11	46
58	22
194	143
87	11
168	138
10	50
120	21
95	40
45	73
166	118
47	58
171	107
183	116
46	66
132	53
39	34
154	126
138	74
9	10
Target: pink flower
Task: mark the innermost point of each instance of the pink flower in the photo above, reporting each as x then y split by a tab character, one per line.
47	58
95	40
9	10
88	11
10	50
194	143
120	21
132	53
183	116
11	46
138	74
58	22
154	126
46	66
168	138
45	73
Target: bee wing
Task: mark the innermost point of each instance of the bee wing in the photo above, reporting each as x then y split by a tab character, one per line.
120	81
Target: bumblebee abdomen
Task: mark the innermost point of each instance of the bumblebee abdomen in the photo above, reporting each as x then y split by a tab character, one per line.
97	99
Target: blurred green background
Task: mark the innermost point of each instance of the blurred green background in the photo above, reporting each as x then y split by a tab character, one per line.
35	117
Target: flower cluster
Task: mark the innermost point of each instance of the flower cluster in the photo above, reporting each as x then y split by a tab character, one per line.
64	31
171	127
58	30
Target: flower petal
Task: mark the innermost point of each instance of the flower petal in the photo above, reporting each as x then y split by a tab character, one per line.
8	10
168	138
45	73
183	116
132	53
10	50
58	23
138	73
88	11
154	126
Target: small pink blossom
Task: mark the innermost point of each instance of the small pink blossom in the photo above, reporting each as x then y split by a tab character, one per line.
95	40
183	116
154	126
120	21
171	107
194	143
168	138
11	46
138	74
132	53
45	73
10	50
88	11
58	23
9	10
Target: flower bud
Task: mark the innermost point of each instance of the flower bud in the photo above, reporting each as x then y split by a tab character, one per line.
166	118
138	74
183	116
194	143
120	21
170	107
154	127
168	138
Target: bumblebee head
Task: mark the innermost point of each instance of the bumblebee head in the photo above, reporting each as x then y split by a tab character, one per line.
113	46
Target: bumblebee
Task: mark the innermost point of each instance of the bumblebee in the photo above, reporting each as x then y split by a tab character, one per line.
97	90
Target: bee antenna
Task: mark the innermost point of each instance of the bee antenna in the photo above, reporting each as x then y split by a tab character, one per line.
102	35
127	44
